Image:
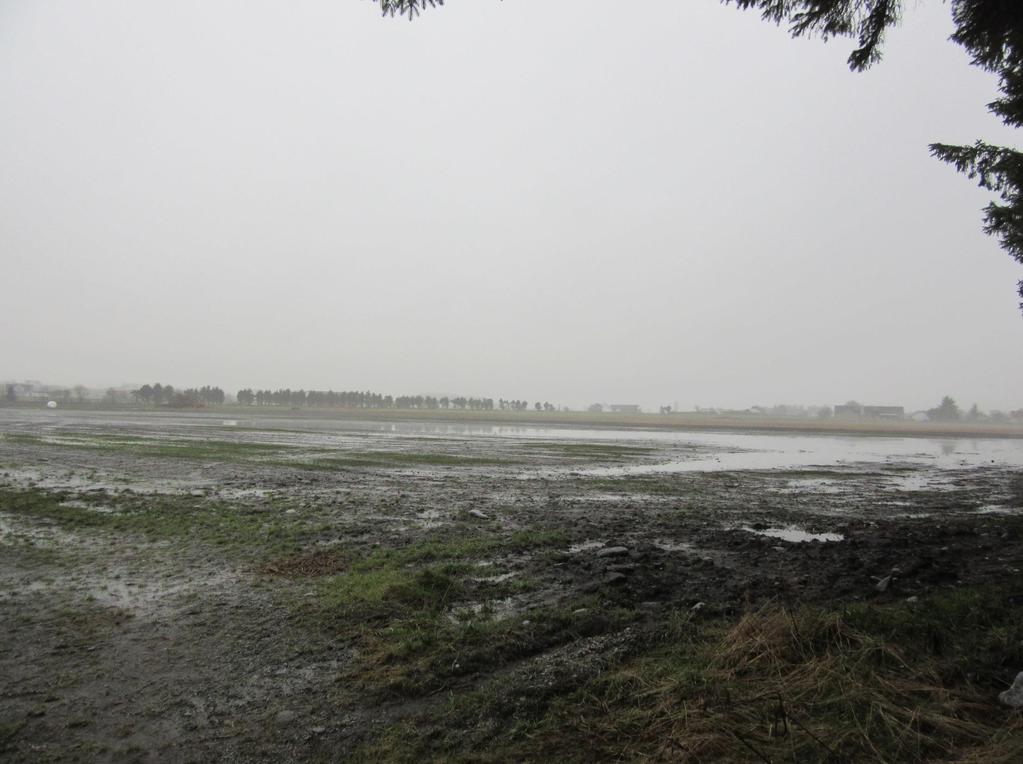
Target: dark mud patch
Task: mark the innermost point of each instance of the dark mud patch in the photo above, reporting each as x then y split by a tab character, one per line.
310	565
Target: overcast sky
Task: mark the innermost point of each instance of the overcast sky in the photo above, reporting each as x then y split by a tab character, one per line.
573	201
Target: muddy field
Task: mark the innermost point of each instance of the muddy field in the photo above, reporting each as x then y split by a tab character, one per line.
195	588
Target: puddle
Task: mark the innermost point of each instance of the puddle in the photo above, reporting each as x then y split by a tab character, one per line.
616	498
812	485
43	533
94	483
24	588
996	509
585	546
495	579
79	504
929	481
430	518
794	535
243	493
6	531
495	609
726	452
666	545
146	596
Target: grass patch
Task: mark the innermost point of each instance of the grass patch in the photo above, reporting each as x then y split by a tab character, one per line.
648	486
395	459
591	450
263	453
210	450
240	529
901	682
84	625
462	547
21	438
416	656
8	732
200	450
444	460
815	474
415	616
390	579
427	590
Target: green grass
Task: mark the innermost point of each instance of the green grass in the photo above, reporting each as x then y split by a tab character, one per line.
8	732
415	656
591	450
405	608
412	637
396	459
200	450
86	623
650	486
270	454
21	438
241	529
462	545
402	581
221	451
816	474
427	589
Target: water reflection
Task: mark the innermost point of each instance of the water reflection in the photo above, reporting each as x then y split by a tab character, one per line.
703	451
794	535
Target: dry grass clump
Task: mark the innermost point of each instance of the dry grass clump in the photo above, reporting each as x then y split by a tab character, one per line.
896	682
1005	747
807	686
321	563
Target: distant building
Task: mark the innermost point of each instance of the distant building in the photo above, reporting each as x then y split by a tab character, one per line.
596	408
625	408
869	412
884	412
848	409
31	390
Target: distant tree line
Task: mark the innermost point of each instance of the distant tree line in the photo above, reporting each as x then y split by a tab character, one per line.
948	411
358	399
166	395
320	398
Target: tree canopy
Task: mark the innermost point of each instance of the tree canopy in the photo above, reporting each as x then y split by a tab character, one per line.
410	8
946	411
991	31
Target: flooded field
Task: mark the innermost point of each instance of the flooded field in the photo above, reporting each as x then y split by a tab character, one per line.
194	587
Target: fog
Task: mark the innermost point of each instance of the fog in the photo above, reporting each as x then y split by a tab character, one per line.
573	201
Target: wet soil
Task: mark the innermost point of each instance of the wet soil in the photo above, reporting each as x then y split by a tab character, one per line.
203	592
